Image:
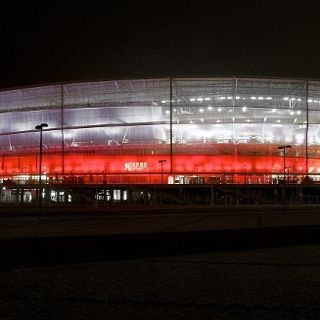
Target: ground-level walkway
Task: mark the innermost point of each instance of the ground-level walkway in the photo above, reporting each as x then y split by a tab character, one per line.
266	283
255	262
19	222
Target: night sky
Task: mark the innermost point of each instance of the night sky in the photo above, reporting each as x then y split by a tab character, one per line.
56	42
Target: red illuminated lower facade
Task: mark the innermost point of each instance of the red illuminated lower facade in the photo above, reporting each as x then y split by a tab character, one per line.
191	164
162	131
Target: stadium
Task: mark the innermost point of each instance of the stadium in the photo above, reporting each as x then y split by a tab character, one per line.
162	131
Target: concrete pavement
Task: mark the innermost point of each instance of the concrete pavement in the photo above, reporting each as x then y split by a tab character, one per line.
271	283
161	263
57	222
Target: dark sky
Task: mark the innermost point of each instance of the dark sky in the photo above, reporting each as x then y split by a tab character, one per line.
58	42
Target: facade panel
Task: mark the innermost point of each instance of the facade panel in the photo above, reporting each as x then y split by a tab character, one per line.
216	130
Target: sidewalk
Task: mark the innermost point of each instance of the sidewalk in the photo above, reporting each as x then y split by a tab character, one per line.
63	238
15	224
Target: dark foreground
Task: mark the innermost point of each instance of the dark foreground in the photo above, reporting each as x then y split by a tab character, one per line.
42	251
265	283
186	271
262	273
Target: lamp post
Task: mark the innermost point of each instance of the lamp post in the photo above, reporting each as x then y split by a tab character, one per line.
150	174
245	174
197	175
284	148
161	164
40	128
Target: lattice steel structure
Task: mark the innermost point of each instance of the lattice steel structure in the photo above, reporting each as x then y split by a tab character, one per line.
215	130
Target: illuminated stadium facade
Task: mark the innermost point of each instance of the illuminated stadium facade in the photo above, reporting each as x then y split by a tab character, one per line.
162	131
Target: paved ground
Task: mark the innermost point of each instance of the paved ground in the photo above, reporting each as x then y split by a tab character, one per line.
61	222
277	283
210	282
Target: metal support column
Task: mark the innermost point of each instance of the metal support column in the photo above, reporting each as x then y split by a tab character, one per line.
62	131
307	129
171	149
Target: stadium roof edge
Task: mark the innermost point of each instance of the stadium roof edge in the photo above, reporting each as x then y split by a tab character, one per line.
177	77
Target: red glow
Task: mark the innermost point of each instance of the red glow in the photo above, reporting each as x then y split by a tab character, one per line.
131	168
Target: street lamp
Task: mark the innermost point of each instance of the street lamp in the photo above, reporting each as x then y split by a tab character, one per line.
245	174
197	175
161	163
150	174
284	148
40	128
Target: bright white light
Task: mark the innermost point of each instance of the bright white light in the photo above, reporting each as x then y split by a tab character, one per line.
260	98
293	99
202	133
274	110
268	98
277	125
269	138
229	98
299	99
237	97
300	138
163	101
298	112
222	98
167	111
264	119
232	119
218	121
190	121
286	98
278	121
207	99
310	100
244	108
295	120
219	109
192	99
201	120
248	120
287	138
209	108
70	134
315	101
201	110
291	113
253	98
200	99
